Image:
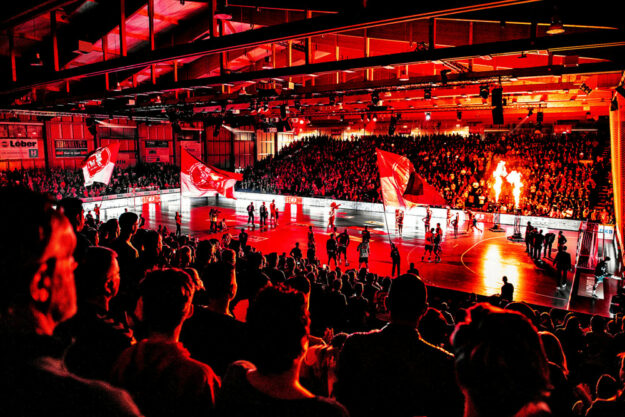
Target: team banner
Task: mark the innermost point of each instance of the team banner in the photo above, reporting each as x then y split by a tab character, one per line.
200	180
98	167
400	184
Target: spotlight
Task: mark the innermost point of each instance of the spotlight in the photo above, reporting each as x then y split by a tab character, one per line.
301	121
539	117
375	118
530	112
222	11
556	26
427	93
428	116
484	91
36	62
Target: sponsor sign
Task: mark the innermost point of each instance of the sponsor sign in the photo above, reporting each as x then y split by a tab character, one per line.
292	200
70	148
19	149
148	199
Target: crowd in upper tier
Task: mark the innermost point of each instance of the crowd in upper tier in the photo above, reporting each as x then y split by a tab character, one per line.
62	183
562	175
112	319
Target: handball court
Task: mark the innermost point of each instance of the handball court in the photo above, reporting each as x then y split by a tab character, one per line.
472	262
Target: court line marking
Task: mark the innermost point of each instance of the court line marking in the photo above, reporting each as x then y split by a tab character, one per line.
474	245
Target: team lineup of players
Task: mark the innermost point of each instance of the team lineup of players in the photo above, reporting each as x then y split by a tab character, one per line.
337	243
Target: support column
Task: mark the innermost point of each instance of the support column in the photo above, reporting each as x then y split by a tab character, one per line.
123	46
12	55
151	36
55	44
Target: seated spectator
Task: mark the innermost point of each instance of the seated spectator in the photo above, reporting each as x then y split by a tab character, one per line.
393	371
38	292
158	371
98	337
501	364
279	328
213	335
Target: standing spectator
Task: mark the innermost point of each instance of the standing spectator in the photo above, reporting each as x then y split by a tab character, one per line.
538	243
129	266
98	337
561	239
549	239
38	292
250	214
393	372
528	238
263	216
296	253
73	210
343	243
178	224
500	364
363	253
562	261
507	290
357	309
158	371
396	259
269	385
606	403
331	248
213	335
242	240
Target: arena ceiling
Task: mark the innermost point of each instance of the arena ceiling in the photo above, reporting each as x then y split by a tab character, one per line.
321	60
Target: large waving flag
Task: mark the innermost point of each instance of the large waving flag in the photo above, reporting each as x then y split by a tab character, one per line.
400	184
98	167
199	180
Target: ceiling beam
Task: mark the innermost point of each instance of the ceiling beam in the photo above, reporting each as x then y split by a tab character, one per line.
43	7
310	27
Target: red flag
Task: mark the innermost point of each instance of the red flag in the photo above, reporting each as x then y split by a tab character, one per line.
98	167
199	180
400	184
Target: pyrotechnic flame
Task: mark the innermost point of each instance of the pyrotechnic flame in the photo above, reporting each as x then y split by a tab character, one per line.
514	178
499	173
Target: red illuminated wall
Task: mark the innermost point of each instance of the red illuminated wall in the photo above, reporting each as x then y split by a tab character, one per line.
68	141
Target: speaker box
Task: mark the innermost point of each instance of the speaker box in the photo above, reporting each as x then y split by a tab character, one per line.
496	96
498	115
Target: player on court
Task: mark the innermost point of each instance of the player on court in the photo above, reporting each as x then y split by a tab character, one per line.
273	219
429	244
399	221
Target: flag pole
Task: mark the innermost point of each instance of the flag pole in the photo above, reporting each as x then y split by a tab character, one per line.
388	229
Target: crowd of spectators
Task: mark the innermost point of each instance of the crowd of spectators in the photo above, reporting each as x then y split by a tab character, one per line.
561	174
70	183
145	325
